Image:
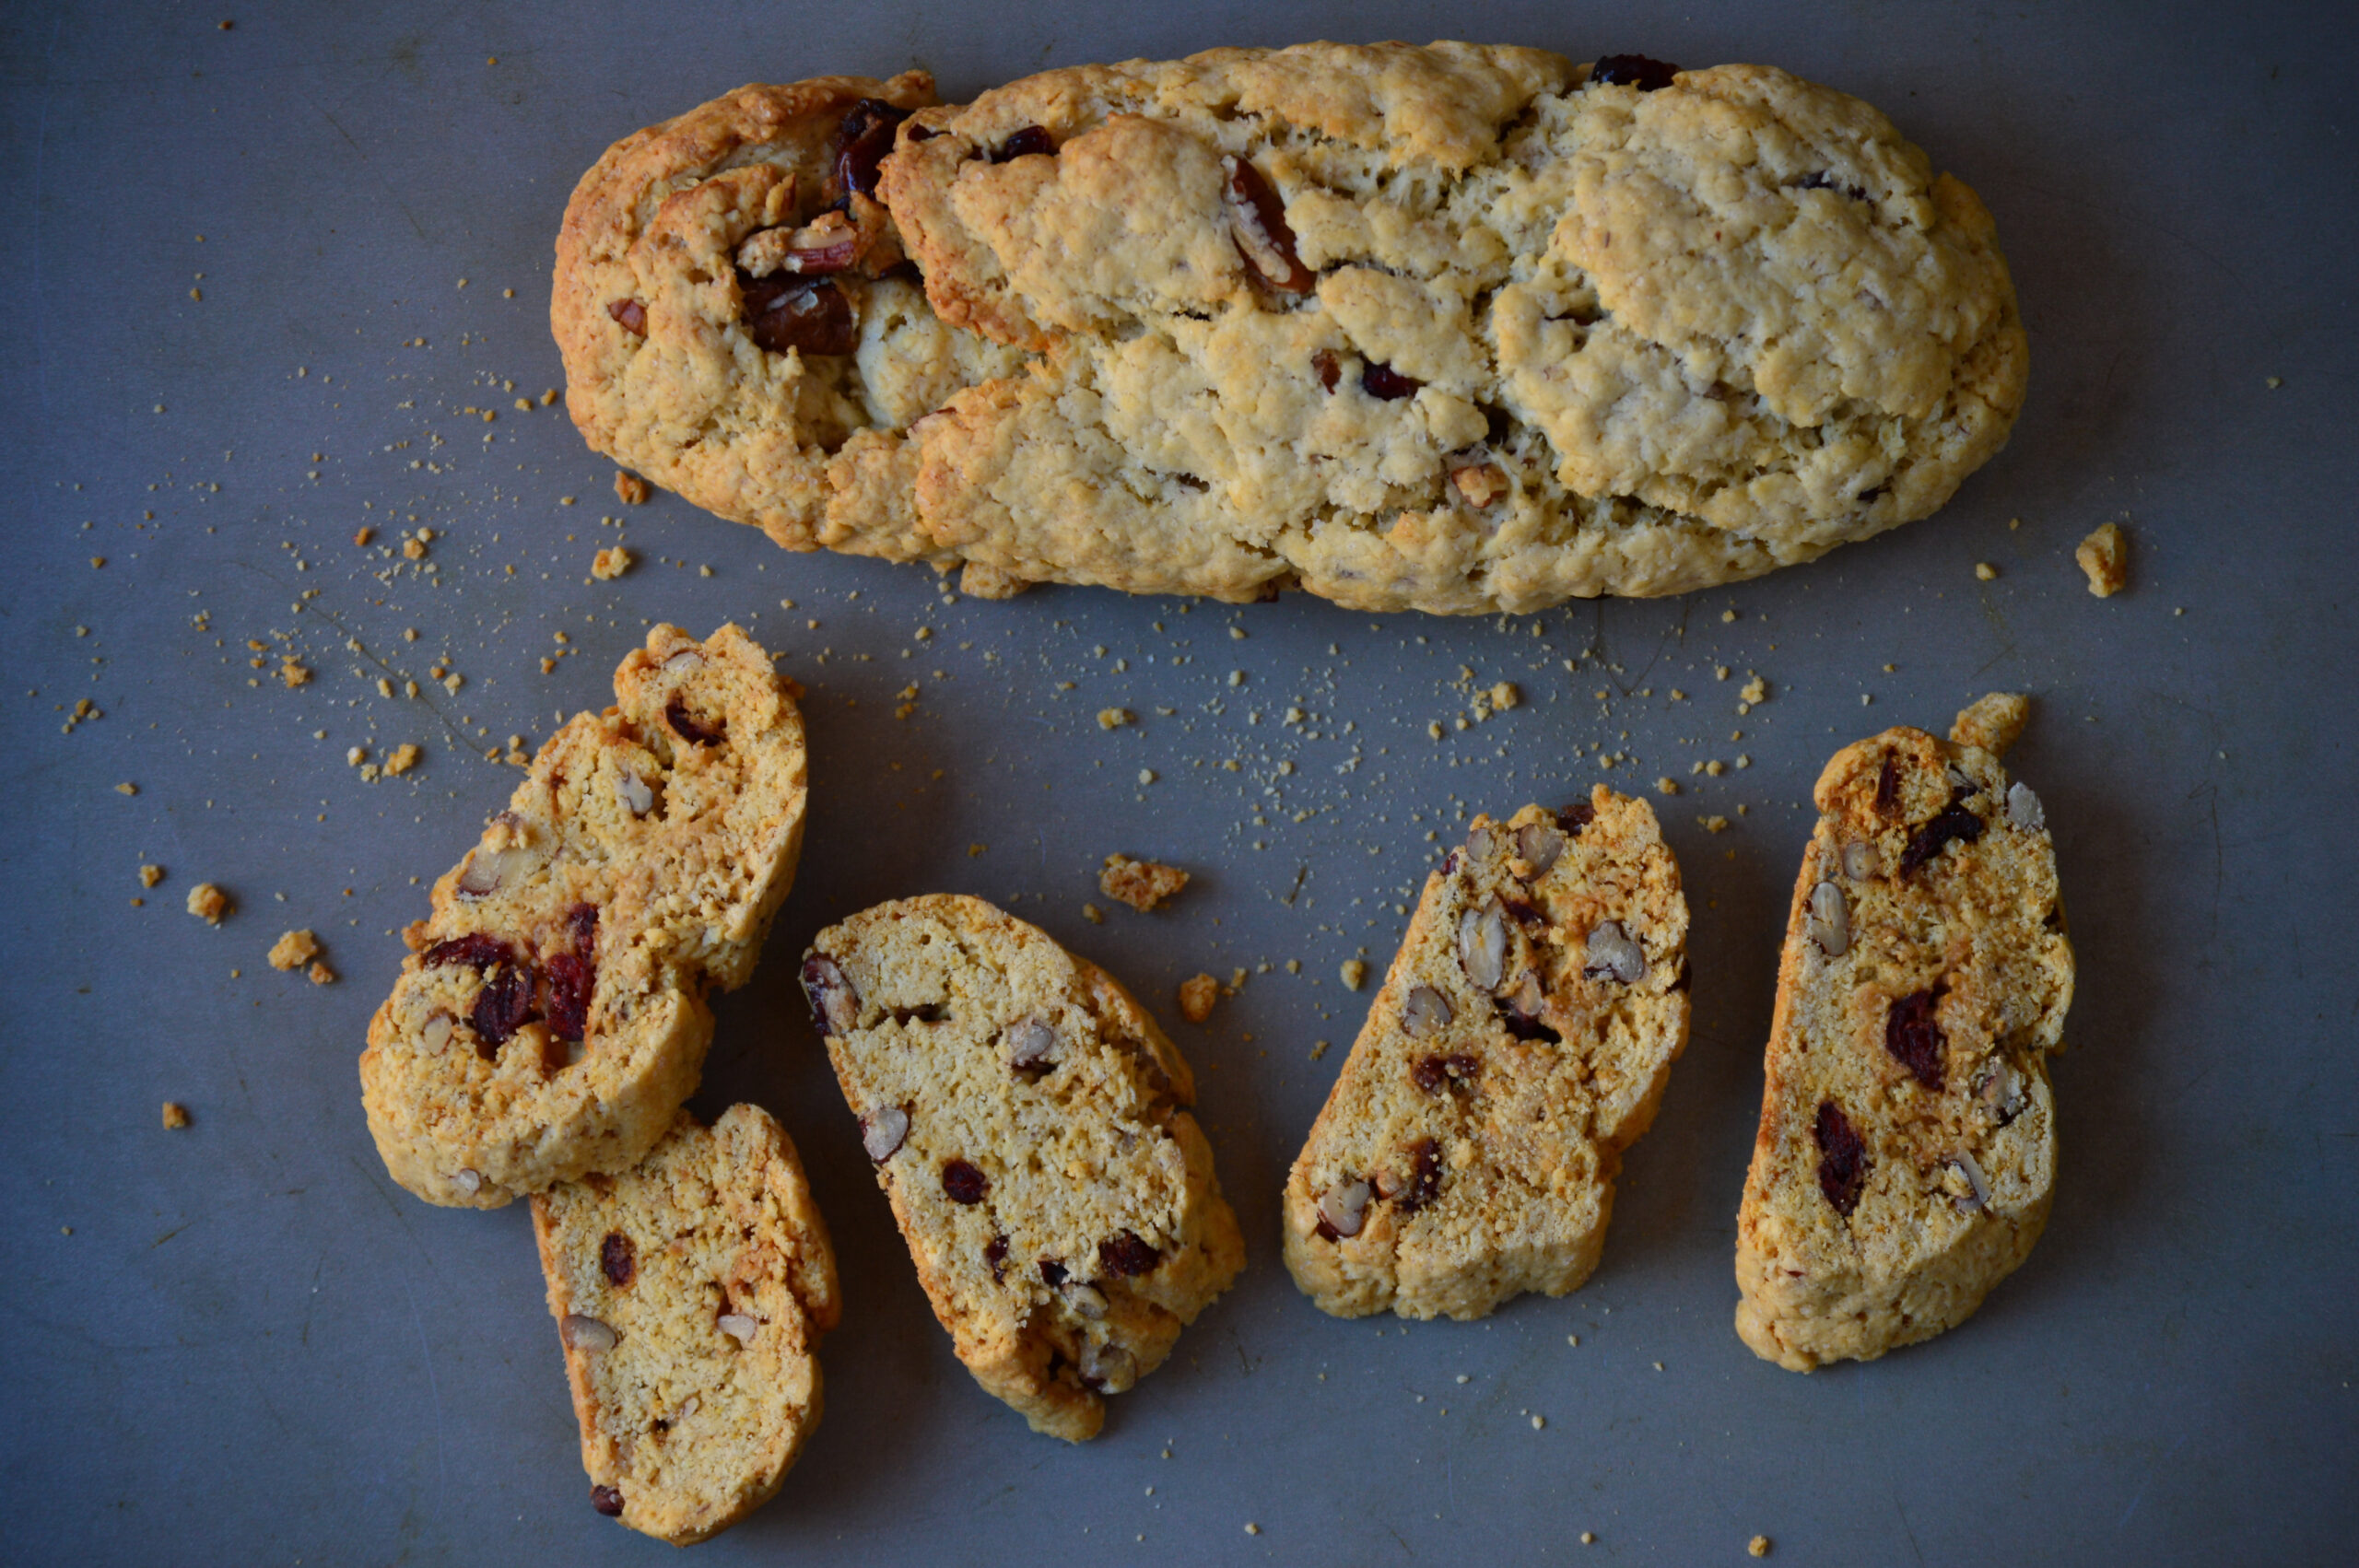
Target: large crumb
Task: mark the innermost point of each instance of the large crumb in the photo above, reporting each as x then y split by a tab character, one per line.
175	1114
293	950
2104	555
405	757
150	875
1142	885
293	673
610	562
1197	994
1355	974
1115	718
632	490
1758	1546
1992	721
208	902
321	975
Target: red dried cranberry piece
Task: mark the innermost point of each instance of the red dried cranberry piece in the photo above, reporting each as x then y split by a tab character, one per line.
1030	140
995	1254
688	727
1888	785
862	142
1327	367
1914	1037
608	1501
572	979
1955	822
1424	1175
1384	382
1843	1159
1632	71
1449	861
786	312
1128	1256
618	1259
476	950
1526	914
835	1005
1572	819
963	1182
1435	1073
1258	226
504	1005
629	315
1053	1273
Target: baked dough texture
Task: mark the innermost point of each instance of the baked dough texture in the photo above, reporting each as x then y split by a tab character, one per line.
1907	1154
550	1020
1520	1043
1027	1122
1455	328
690	1294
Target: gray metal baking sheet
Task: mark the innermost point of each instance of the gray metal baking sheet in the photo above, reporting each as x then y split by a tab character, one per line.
239	1342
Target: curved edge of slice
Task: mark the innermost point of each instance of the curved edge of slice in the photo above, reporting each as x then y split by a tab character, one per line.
1905	1159
1026	1120
1522	1041
690	1295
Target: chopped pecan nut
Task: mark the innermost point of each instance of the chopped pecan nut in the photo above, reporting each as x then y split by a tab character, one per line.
1257	221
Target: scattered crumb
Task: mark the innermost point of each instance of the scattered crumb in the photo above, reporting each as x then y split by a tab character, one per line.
175	1114
321	975
975	850
208	902
1197	994
1714	824
1666	785
1986	571
1093	914
405	757
1588	1538
364	535
1318	1049
1758	1546
1251	1529
630	488
294	673
610	562
150	875
414	549
126	788
1115	718
1505	695
1992	721
1753	691
2104	555
1574	1341
2273	382
1539	1422
1142	885
293	950
1355	974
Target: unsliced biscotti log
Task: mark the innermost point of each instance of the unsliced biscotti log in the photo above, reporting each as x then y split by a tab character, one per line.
1520	1043
1907	1154
550	1018
690	1294
1459	328
1027	1119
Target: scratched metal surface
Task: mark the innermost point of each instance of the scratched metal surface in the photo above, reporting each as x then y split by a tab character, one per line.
241	1343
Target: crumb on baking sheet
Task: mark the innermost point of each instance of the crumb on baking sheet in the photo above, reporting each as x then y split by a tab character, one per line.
208	902
1197	994
294	673
630	488
406	756
1355	974
150	875
1115	718
2105	557
320	974
175	1114
1992	721
1142	885
1758	1546
293	950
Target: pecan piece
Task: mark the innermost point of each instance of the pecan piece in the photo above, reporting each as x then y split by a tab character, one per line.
629	315
1425	1011
787	313
882	1132
1343	1209
1257	221
1482	944
835	1005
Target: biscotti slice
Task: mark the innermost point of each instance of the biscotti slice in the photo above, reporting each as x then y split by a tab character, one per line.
1521	1044
550	1018
1027	1122
689	1294
1907	1154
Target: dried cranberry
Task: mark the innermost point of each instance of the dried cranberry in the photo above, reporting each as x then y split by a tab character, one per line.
1024	143
1449	861
618	1259
1257	221
608	1501
1573	818
629	315
835	1006
1843	1159
1384	382
1053	1273
1526	914
572	980
1435	1073
1128	1256
688	727
1632	71
1955	822
963	1182
1327	367
1424	1175
862	142
784	312
995	1254
1914	1037
476	950
1888	785
504	1005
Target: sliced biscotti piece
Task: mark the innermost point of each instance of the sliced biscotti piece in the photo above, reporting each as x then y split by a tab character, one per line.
1027	1122
689	1294
551	1019
1907	1154
1520	1043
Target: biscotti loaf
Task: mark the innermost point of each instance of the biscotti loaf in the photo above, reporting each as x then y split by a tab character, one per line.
1907	1153
1458	328
1027	1122
689	1294
1519	1045
550	1018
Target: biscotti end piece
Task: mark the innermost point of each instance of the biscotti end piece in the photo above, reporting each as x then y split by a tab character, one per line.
1520	1043
690	1294
1907	1153
1992	721
550	1018
1027	1122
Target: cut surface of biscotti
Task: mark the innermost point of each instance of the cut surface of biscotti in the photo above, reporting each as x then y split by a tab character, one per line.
690	1292
1907	1153
1027	1121
550	1018
1520	1043
1458	328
